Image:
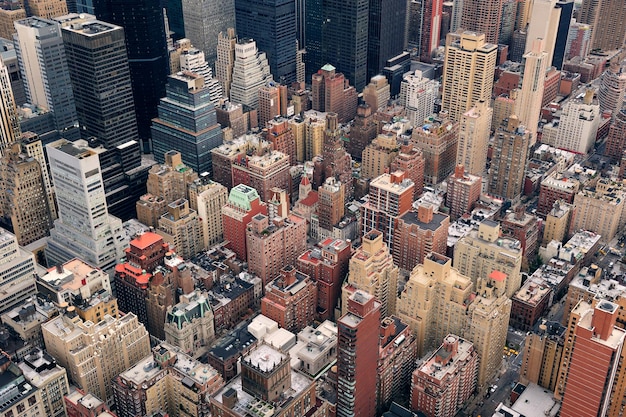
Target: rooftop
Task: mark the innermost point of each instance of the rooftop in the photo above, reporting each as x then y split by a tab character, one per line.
410	217
264	357
433	366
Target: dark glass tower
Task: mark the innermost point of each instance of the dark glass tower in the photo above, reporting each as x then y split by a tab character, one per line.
144	27
387	33
343	26
175	18
98	67
187	122
272	24
567	9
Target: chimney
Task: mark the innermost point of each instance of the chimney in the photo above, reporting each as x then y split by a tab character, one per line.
229	398
60	269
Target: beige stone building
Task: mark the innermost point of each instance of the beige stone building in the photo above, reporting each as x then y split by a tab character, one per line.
47	8
599	210
167	380
209	197
556	226
7	17
94	354
434	302
182	229
482	251
171	179
378	155
45	374
189	324
373	271
474	132
468	71
376	94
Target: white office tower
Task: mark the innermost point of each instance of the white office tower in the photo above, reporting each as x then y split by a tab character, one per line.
417	96
9	121
578	126
84	228
17	272
192	60
543	24
251	71
528	104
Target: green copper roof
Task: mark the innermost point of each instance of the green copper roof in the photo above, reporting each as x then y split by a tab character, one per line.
241	196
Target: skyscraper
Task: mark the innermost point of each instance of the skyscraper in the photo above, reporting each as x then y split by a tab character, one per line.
595	358
187	122
544	28
192	60
531	87
24	203
474	132
468	71
612	89
84	228
357	356
606	19
9	121
387	32
483	16
431	14
337	33
204	20
510	153
19	272
272	24
43	65
417	96
616	141
331	92
562	34
437	138
243	204
98	67
144	33
251	71
225	60
372	270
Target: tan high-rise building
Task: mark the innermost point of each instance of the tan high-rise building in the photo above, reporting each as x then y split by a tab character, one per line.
411	161
330	203
210	197
331	92
488	323
46	8
474	131
510	153
469	66
542	355
8	16
378	155
166	382
171	179
483	251
599	210
503	107
483	16
544	28
434	301
182	229
376	94
45	374
10	129
31	146
606	18
372	270
23	202
225	59
314	128
557	222
94	354
528	105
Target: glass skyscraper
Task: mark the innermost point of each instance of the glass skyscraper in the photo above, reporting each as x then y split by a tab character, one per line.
272	24
187	122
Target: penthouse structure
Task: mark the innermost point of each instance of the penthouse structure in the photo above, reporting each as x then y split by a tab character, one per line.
243	204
